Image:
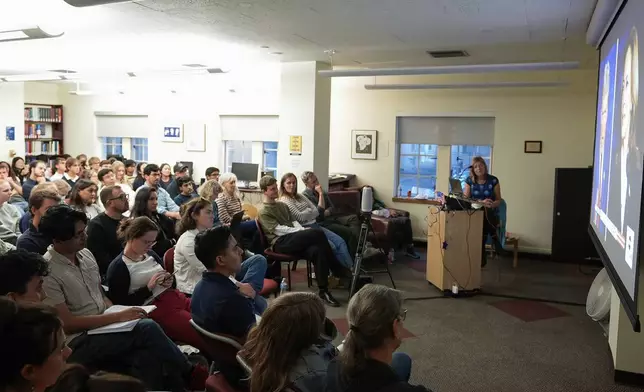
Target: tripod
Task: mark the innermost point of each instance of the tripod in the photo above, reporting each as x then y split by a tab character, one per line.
365	227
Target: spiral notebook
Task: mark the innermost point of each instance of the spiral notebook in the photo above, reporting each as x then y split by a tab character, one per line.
124	326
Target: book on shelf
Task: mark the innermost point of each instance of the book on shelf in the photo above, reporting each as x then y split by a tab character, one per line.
43	114
124	326
35	131
37	147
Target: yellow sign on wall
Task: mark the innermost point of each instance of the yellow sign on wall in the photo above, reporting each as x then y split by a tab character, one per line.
295	145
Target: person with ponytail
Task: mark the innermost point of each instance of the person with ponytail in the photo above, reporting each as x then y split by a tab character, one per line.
136	277
367	360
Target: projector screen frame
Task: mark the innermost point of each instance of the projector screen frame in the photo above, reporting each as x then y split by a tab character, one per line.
629	304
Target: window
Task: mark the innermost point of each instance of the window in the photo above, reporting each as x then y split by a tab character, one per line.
417	169
262	153
270	156
139	149
461	159
112	145
135	148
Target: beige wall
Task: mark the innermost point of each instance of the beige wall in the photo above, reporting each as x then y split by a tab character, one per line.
563	118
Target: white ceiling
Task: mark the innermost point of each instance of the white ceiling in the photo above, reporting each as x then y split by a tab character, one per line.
164	34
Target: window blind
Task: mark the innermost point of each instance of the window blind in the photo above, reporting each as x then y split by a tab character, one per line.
446	130
250	128
122	126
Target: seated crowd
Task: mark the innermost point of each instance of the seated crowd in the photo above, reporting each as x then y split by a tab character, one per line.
80	254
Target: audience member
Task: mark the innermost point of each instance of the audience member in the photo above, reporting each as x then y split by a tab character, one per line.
82	161
106	177
165	204
136	277
196	218
139	180
33	347
186	189
212	173
305	212
16	198
83	198
42	198
228	204
219	304
92	176
63	188
130	172
289	348
105	164
145	204
179	171
367	361
120	178
102	240
94	163
60	169
36	176
210	190
74	168
9	215
166	176
21	276
73	287
287	236
76	378
19	169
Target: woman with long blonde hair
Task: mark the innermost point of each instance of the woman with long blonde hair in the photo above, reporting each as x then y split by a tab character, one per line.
288	347
210	190
228	204
118	168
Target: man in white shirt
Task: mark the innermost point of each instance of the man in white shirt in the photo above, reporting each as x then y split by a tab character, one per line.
60	169
9	215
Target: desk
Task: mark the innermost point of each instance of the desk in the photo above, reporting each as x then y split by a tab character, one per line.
460	260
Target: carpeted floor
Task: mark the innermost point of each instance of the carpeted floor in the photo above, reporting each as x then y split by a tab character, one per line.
489	343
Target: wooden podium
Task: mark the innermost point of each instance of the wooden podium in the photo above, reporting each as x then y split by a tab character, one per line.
454	247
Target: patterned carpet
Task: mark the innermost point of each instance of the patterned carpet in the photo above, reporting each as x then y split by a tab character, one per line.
488	343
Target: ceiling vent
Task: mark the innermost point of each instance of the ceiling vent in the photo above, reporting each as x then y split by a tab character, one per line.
195	65
447	54
215	70
62	71
91	3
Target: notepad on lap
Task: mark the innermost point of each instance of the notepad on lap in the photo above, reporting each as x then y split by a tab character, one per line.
124	326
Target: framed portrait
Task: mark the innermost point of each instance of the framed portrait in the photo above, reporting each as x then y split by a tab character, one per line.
532	146
364	144
173	133
195	137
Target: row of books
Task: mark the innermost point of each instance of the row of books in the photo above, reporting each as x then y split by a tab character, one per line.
33	131
44	114
38	147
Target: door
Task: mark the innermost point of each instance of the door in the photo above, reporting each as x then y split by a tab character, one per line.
573	193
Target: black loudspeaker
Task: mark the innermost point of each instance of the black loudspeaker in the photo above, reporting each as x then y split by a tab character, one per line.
572	199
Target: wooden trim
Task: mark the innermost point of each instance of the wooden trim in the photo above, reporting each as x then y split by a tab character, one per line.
415	201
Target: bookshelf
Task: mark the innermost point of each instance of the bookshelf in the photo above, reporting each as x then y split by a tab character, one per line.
43	131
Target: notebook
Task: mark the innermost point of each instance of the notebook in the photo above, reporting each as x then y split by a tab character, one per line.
124	326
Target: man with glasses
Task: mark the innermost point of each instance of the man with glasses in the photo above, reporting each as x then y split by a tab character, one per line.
166	205
102	240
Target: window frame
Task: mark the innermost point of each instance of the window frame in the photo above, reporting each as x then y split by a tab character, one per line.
418	175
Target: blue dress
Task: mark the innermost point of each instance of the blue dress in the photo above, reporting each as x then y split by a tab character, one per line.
483	191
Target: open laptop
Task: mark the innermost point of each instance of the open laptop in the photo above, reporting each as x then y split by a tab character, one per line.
457	188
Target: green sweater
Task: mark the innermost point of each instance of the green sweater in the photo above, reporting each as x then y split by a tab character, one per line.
274	214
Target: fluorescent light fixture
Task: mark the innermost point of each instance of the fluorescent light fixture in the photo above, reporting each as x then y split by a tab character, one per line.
462	85
450	69
28	33
32	77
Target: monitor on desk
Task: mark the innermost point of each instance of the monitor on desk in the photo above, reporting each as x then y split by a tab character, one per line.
246	173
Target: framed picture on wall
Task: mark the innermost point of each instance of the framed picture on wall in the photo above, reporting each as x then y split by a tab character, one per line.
195	137
173	133
364	144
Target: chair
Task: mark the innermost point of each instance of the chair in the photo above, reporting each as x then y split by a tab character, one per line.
270	287
168	260
250	210
273	256
220	348
216	382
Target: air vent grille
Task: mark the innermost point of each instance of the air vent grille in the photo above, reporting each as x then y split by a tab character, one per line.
446	54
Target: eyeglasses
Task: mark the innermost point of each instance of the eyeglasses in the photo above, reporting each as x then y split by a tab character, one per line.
122	196
403	315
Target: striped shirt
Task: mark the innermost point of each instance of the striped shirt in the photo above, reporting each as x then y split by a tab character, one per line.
227	206
301	208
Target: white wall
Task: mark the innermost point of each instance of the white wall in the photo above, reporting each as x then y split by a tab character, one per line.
563	118
200	106
42	93
12	98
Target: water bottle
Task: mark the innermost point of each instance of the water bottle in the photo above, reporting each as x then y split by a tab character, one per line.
283	286
391	256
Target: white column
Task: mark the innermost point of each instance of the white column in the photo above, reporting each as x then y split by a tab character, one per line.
305	100
626	346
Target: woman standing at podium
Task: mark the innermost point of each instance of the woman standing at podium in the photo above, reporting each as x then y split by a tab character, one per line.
481	185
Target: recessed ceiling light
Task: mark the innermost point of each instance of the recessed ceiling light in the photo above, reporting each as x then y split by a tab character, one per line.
276	53
131	74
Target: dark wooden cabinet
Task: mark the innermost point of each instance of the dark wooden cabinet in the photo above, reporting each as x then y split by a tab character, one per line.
573	193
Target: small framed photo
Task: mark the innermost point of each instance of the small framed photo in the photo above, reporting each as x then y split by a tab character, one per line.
533	146
364	144
173	133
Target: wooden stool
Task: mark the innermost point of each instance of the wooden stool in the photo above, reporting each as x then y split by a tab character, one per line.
514	240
